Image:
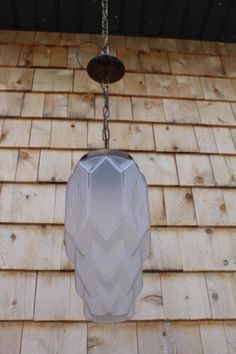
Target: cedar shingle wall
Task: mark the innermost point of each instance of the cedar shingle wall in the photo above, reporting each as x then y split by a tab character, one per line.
175	112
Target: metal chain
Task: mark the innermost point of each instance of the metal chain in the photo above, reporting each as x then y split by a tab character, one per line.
106	114
105	26
105	83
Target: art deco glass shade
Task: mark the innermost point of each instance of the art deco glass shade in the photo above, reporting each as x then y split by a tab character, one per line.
107	233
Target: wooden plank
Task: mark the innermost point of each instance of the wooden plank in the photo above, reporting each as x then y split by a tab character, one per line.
149	303
21	203
1	126
213	338
230	49
67	306
53	80
195	65
136	43
20	79
120	108
33	105
134	60
158	169
224	170
208	249
180	111
123	136
230	201
26	56
7	36
230	335
224	140
32	247
210	207
167	337
8	163
161	85
79	58
185	296
179	206
10	103
217	89
194	170
39	247
54	166
233	106
71	134
175	138
4	77
41	56
60	338
189	87
27	167
229	66
157	207
15	132
17	295
59	207
144	60
10	337
25	37
233	134
214	48
215	113
47	38
81	106
55	105
222	294
9	55
205	139
118	87
147	109
116	338
159	62
70	39
83	83
134	84
40	133
173	86
213	66
166	251
58	57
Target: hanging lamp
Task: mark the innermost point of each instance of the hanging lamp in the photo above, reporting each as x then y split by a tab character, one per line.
107	223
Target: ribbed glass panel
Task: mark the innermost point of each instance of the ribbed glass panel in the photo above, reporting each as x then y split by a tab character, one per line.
107	233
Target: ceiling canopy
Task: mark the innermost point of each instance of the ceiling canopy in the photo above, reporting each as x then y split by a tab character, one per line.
191	19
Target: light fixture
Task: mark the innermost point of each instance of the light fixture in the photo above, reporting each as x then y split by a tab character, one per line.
107	223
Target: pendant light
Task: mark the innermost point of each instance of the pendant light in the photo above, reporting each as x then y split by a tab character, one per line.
107	223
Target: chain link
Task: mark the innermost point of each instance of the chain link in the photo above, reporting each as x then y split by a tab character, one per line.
106	114
105	26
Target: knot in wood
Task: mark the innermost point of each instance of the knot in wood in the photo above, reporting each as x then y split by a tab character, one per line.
13	237
223	207
189	196
209	230
215	296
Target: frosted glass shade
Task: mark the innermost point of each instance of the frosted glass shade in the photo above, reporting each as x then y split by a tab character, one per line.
107	233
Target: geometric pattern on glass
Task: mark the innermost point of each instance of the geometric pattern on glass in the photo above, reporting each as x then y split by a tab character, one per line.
107	233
